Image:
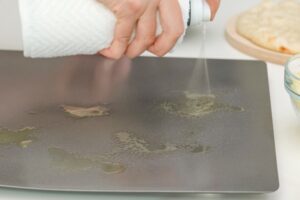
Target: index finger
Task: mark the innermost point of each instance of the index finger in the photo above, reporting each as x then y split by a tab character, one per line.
127	14
123	32
172	26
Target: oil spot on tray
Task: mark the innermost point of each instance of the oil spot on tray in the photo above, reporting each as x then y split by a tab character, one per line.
125	142
22	137
195	148
197	105
129	142
84	112
112	167
69	161
32	112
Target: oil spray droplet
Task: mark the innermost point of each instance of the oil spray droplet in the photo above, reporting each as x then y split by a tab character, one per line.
24	144
84	112
22	137
112	168
73	162
69	161
32	112
129	142
197	105
195	148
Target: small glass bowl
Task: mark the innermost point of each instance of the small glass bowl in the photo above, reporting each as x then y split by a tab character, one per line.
292	81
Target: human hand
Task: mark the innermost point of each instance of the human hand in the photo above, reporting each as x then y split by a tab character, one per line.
141	16
214	6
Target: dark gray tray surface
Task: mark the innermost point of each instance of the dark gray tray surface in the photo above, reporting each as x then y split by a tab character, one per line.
235	151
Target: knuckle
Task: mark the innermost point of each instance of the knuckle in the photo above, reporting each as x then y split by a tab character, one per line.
149	40
134	6
174	35
177	33
131	55
123	40
180	31
173	39
159	50
116	56
159	53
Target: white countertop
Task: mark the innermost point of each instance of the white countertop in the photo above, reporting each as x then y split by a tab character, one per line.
286	125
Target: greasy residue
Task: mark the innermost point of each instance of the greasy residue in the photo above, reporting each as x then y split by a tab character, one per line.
129	142
126	142
83	112
197	105
22	137
69	161
195	148
32	112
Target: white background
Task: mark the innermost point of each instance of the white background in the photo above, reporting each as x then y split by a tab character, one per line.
286	124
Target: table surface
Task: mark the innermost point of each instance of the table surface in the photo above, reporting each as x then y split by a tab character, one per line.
286	124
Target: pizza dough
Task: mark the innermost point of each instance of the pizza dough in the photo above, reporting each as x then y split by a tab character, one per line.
274	25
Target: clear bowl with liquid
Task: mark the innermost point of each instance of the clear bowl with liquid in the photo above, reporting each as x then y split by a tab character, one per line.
292	81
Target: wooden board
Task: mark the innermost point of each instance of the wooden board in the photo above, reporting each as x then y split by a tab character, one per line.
246	46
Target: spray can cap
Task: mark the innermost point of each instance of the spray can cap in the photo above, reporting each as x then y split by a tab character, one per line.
200	12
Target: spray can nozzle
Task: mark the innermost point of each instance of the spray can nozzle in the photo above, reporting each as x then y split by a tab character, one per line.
199	12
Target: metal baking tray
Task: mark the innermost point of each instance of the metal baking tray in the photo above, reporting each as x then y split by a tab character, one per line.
138	145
